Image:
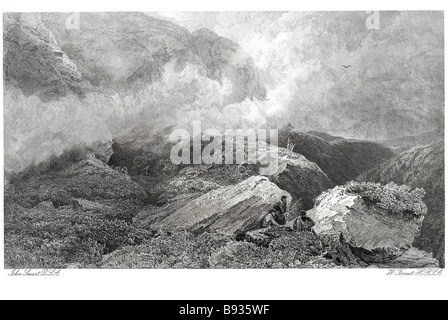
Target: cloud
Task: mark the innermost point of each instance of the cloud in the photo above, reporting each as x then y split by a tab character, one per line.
396	73
394	88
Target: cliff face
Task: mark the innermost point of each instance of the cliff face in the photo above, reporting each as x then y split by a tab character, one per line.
421	167
35	62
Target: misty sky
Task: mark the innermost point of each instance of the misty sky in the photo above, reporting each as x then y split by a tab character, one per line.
321	71
397	69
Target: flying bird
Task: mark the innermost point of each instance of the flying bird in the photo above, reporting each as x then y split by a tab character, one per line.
346	66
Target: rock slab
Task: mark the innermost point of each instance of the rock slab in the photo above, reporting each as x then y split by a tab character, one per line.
375	235
228	210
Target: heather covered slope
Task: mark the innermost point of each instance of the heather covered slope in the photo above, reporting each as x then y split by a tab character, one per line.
76	175
77	211
421	167
341	159
214	251
76	207
70	210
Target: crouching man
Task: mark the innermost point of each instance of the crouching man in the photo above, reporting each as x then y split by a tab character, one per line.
303	222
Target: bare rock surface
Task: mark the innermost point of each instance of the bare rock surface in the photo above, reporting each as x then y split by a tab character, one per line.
374	234
420	167
225	210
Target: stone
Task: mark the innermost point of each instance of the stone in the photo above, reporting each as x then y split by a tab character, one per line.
303	179
373	234
420	167
229	210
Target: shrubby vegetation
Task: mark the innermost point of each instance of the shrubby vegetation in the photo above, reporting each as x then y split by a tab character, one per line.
124	210
392	197
169	251
292	250
211	250
42	239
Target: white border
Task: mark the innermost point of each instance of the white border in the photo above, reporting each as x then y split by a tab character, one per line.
216	284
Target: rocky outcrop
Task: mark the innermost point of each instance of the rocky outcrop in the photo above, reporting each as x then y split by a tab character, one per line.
214	51
191	188
303	179
227	210
374	234
60	182
46	206
115	51
294	173
420	167
34	61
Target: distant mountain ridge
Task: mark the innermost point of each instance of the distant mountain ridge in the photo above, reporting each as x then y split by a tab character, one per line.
341	159
405	143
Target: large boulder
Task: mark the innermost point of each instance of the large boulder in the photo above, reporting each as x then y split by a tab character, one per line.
374	232
304	180
421	167
230	210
